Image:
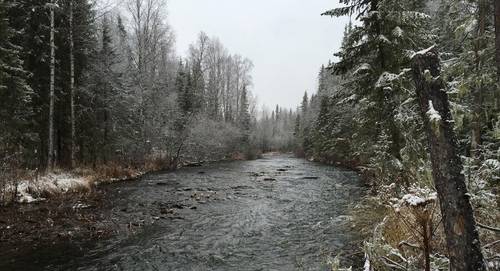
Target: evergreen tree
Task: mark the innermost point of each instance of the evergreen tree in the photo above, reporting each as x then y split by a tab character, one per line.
305	103
15	93
103	101
376	53
184	101
244	117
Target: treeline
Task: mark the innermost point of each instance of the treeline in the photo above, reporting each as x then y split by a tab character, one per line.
82	87
366	114
275	130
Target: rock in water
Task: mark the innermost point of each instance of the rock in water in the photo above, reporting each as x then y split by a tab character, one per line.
311	178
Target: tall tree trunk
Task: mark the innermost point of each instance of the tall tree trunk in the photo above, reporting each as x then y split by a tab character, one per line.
50	158
497	51
478	90
497	36
72	84
458	218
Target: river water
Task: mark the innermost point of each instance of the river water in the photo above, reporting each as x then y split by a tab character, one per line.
276	213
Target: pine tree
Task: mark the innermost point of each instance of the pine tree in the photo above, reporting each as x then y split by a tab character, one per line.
304	106
375	54
185	98
104	121
244	117
15	93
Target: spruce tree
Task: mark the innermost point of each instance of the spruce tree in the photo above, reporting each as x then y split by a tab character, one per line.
15	93
244	117
376	53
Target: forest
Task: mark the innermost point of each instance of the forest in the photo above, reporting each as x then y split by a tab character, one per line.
87	88
410	102
413	103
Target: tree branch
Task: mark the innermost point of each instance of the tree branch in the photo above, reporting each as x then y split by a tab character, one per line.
488	227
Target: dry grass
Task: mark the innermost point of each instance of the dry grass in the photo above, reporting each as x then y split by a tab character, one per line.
402	230
157	163
107	173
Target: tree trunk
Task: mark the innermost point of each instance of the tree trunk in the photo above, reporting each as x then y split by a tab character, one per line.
426	242
72	84
50	160
497	51
106	132
458	218
497	36
478	89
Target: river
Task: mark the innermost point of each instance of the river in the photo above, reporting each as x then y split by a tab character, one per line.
275	213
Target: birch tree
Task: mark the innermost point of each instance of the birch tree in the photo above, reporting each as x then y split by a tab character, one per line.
50	160
150	37
72	86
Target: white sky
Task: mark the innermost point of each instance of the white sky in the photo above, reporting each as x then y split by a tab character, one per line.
287	40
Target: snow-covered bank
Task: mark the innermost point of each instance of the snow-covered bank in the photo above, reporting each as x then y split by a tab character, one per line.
41	188
34	188
29	191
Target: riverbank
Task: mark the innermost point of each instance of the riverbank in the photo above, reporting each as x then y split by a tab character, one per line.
28	227
389	217
269	213
366	174
30	187
64	206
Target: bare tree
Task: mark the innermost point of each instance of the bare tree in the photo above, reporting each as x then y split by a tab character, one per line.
216	56
151	40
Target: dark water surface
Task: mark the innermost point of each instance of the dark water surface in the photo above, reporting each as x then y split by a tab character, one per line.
276	213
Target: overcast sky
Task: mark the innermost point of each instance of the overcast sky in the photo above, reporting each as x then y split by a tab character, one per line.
287	40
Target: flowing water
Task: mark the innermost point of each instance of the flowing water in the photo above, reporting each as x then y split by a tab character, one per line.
276	213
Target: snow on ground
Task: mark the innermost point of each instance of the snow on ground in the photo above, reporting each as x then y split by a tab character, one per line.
36	189
29	191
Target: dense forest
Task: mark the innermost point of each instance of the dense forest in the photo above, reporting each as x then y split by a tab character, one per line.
373	111
411	102
89	87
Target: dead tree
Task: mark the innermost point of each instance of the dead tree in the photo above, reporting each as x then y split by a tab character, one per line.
464	249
